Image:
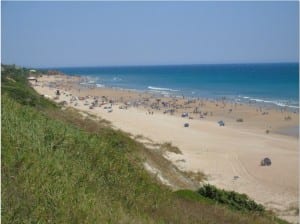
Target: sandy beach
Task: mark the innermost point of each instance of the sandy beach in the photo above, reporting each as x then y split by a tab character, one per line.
229	155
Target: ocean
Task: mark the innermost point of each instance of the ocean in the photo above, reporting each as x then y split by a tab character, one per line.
268	84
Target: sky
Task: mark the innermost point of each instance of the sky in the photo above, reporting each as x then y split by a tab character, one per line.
60	34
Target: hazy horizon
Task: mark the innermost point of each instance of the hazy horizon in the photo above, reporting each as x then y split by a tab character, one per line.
157	65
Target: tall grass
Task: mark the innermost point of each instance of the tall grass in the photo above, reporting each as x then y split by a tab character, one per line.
56	173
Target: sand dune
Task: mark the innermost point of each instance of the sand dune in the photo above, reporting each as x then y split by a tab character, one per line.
220	152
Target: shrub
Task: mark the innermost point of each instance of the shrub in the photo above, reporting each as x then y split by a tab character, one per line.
239	120
233	199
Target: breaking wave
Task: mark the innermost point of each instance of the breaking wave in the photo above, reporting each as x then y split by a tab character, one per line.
275	102
162	89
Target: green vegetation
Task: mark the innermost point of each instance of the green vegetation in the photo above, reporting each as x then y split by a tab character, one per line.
58	167
14	84
239	120
231	198
194	196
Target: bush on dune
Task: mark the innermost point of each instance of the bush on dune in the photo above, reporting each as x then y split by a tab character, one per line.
233	199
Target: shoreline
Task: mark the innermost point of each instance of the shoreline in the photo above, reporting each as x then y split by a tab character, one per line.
203	143
167	92
71	83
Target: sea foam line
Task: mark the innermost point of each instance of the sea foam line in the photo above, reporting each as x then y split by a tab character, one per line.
162	89
100	85
278	103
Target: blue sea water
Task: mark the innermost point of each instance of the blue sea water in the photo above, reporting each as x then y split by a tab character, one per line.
274	84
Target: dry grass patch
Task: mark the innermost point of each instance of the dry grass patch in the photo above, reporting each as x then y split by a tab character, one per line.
168	147
142	139
195	176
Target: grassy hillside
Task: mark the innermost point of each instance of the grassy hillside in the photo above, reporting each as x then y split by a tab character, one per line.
58	167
